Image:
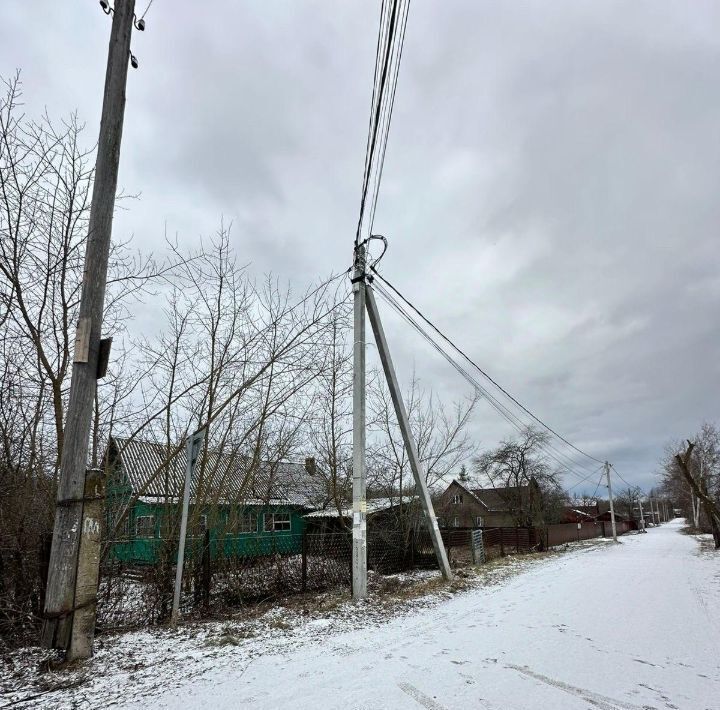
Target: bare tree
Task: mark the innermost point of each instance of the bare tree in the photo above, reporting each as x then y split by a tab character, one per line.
701	490
330	419
690	475
440	434
238	357
45	184
529	485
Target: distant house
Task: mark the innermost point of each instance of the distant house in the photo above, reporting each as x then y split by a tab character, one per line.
579	513
619	517
461	506
248	510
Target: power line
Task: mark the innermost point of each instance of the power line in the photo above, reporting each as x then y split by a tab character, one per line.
391	37
493	401
597	487
621	478
388	114
584	480
485	374
504	411
142	17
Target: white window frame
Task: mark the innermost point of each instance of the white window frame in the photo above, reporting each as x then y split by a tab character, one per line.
137	527
247	523
478	521
277	525
201	524
456	522
457	499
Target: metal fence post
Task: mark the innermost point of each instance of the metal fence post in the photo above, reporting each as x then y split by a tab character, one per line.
304	561
206	571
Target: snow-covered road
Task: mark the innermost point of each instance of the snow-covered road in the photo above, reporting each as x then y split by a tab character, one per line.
617	627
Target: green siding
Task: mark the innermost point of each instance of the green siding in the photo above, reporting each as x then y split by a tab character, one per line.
126	546
223	543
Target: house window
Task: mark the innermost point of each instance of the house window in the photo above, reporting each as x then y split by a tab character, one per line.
247	523
145	526
201	525
124	531
478	521
457	499
456	522
276	522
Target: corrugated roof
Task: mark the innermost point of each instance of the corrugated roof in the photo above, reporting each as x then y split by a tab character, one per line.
153	472
373	506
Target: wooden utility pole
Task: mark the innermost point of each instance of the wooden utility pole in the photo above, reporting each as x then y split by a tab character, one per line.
359	530
60	599
610	496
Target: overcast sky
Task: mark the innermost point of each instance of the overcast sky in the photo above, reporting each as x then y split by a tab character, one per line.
550	190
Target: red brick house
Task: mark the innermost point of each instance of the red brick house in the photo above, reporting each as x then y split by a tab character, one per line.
463	507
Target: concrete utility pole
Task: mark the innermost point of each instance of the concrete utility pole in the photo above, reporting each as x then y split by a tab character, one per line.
642	516
612	507
193	444
60	601
404	423
359	535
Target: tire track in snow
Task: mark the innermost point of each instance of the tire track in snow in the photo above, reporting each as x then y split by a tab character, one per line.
419	697
600	701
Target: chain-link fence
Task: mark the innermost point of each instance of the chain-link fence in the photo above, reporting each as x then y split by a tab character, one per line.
223	574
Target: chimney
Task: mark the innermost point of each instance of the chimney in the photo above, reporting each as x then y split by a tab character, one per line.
310	465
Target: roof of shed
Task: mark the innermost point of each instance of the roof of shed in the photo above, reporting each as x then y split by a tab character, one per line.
375	505
157	472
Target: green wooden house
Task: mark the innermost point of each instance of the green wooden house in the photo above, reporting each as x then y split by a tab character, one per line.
245	509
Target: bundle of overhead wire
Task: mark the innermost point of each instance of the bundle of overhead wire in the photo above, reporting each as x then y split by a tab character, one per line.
391	36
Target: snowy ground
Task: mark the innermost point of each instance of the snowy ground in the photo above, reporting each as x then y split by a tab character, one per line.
635	626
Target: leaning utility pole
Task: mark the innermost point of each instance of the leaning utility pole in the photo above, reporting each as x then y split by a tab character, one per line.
60	595
364	299
612	507
404	423
359	535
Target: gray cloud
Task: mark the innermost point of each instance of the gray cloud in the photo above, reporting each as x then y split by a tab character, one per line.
549	189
